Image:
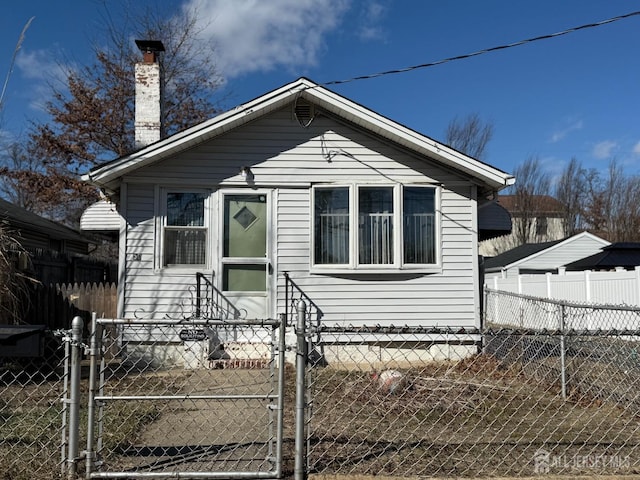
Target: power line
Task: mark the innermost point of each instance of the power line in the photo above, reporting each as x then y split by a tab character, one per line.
487	50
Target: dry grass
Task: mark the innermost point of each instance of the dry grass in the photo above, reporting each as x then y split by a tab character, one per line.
477	417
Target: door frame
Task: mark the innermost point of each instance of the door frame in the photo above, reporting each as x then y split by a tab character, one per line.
269	262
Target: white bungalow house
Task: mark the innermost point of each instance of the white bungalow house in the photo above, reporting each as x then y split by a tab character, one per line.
374	222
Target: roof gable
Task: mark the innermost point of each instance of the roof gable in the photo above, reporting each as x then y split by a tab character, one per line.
108	175
511	257
524	253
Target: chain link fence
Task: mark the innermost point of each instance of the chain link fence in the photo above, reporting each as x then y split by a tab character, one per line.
543	387
33	388
192	398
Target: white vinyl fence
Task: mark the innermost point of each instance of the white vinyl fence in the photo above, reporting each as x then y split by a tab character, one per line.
620	287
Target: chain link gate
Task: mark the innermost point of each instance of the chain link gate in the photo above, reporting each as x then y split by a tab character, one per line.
190	399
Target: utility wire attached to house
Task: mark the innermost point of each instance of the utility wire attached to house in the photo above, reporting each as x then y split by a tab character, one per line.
487	50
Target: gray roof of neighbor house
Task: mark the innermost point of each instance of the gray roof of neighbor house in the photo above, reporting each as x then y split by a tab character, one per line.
108	176
517	253
28	225
621	254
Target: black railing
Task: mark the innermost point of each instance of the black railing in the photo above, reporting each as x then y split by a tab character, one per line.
293	294
209	302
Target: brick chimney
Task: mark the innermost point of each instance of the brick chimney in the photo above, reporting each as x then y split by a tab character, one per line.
148	113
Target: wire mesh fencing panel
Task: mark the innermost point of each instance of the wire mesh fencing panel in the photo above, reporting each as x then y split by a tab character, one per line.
196	397
441	402
591	351
32	422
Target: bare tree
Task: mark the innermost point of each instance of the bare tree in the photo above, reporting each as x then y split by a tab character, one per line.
14	283
570	191
92	115
25	176
627	226
613	204
469	135
532	182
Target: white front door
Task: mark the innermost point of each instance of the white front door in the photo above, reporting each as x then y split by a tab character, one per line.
245	268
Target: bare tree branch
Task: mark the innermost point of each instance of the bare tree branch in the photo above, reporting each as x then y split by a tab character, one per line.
469	135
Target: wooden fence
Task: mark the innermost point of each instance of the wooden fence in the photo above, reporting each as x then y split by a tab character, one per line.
56	305
60	268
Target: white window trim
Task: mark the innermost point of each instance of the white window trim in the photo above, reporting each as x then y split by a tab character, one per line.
161	218
398	266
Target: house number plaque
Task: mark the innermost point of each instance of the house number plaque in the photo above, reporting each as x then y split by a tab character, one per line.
194	334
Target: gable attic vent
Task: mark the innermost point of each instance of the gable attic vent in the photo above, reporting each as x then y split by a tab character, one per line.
304	112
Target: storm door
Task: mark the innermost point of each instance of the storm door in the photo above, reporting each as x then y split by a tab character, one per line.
245	265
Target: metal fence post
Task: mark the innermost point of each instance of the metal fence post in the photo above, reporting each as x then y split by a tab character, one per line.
563	363
74	396
282	348
94	353
301	365
65	404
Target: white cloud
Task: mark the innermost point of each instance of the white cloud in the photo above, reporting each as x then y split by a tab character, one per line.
636	149
38	67
560	134
604	149
254	35
370	19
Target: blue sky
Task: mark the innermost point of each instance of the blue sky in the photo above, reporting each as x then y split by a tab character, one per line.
573	96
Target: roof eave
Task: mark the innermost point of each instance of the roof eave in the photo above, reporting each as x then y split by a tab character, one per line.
108	176
420	143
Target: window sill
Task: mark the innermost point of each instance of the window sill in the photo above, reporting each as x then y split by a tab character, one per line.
421	270
182	270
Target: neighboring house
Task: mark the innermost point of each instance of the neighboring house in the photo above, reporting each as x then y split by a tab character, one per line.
375	222
536	258
621	255
547	224
36	233
55	252
50	253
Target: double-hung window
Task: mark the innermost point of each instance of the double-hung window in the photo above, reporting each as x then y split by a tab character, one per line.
374	227
184	229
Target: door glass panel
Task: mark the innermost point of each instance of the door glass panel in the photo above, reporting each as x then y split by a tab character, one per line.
244	278
245	226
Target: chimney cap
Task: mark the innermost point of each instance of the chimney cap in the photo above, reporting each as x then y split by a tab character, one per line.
150	46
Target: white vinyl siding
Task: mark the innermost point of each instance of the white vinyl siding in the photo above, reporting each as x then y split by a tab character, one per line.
446	299
290	159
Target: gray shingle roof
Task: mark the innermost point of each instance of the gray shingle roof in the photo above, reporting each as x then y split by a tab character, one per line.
621	254
516	254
